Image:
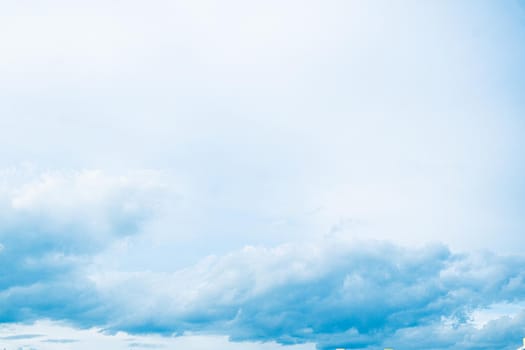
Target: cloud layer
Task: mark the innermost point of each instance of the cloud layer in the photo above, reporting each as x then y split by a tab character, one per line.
332	292
291	140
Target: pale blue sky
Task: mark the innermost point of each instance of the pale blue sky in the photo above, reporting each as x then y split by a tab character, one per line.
223	169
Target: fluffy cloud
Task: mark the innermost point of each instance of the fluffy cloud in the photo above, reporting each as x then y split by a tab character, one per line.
88	201
332	293
51	225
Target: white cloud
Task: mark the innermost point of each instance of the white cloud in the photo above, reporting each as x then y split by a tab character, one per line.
53	223
332	292
87	200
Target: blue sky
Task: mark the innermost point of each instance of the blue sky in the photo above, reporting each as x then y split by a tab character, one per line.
240	174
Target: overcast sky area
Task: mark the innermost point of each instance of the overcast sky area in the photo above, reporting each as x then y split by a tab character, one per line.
262	175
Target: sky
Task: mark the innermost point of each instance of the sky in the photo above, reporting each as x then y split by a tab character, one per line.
264	175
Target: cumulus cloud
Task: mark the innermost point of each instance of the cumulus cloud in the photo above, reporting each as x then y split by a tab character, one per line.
334	294
503	332
51	224
89	201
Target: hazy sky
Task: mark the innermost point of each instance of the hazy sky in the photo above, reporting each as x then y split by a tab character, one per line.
241	174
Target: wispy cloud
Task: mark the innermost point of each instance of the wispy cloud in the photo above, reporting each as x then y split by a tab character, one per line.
61	341
21	336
